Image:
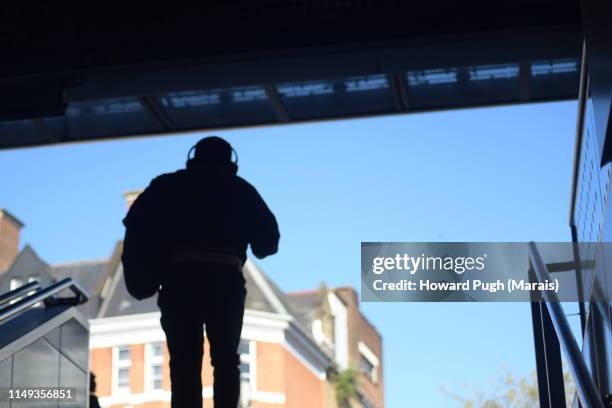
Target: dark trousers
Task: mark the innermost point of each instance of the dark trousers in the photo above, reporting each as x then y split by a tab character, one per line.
203	294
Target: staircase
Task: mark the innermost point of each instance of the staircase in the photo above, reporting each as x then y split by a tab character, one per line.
44	342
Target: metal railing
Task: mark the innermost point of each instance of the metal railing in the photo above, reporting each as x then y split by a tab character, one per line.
17	293
585	386
46	295
582	99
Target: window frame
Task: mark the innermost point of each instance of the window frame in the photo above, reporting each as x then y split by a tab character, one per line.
151	361
119	364
247	381
368	355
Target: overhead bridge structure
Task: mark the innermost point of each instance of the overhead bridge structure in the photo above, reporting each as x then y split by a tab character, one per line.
88	74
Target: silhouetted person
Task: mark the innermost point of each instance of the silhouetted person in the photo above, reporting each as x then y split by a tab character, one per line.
93	399
206	216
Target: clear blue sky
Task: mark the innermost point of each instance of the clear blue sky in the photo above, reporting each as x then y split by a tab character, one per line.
495	174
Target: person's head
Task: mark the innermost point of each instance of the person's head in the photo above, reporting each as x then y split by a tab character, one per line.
213	151
92	382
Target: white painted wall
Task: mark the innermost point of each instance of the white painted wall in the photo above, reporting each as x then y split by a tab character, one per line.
340	313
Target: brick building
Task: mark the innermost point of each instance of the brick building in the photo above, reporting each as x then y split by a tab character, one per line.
292	347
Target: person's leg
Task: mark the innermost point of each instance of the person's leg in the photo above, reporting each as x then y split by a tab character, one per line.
184	336
223	328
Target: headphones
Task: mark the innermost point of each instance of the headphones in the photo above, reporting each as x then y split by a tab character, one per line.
232	166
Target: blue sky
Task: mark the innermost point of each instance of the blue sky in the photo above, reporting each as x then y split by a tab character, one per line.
494	174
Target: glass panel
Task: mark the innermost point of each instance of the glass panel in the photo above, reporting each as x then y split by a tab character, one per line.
554	78
102	118
123	377
366	367
156	350
463	86
347	96
218	107
124	373
243	348
124	353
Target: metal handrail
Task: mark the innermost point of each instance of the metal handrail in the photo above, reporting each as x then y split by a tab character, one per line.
20	291
46	295
582	97
585	386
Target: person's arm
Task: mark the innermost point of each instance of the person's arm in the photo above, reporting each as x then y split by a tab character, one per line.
264	229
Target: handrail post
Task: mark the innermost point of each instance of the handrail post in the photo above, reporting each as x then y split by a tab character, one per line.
585	386
549	366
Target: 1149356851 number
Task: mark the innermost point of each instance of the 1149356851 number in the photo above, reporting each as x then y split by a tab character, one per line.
41	394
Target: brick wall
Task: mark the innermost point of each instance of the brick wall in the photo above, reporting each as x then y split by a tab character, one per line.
166	369
277	371
302	387
10	229
101	366
137	368
361	330
270	367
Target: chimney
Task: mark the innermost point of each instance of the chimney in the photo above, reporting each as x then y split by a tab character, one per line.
10	229
324	313
131	196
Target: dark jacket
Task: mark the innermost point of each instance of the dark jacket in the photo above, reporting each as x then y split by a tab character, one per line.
207	205
93	401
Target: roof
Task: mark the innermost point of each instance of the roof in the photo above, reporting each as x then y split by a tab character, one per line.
262	295
90	275
7	214
305	306
26	264
103	280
